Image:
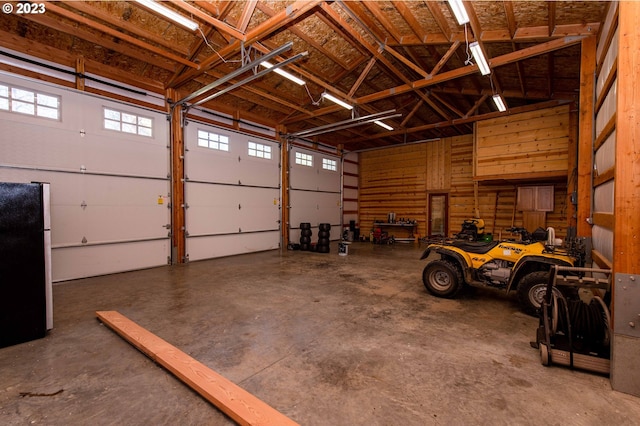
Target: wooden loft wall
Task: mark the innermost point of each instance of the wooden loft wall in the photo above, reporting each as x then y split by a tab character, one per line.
495	200
523	146
399	179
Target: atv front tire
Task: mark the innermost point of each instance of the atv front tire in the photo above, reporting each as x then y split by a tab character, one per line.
442	278
531	291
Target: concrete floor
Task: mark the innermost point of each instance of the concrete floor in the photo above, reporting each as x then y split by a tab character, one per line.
325	339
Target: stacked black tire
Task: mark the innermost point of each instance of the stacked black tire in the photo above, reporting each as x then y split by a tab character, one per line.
305	236
324	238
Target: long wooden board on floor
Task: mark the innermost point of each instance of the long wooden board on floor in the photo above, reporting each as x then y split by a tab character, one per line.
236	402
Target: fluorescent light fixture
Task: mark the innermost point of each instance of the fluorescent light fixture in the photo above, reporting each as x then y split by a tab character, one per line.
169	13
459	11
283	73
332	98
497	99
383	125
479	57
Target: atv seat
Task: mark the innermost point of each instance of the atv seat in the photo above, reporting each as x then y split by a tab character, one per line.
478	247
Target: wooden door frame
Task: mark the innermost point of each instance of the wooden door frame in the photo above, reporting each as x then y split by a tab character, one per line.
446	212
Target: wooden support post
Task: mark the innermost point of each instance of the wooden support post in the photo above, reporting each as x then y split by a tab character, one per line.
626	240
585	135
178	243
237	403
79	72
572	168
284	202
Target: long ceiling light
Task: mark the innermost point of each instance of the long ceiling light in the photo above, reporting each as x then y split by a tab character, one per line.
284	73
332	127
288	45
168	13
332	98
459	11
383	125
476	51
497	99
251	78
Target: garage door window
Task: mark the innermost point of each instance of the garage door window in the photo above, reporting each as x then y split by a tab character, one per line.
213	140
21	101
259	150
304	159
329	164
127	122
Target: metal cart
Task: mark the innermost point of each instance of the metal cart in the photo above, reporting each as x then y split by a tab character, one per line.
572	332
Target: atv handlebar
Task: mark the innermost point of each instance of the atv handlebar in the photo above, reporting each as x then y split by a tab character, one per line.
524	234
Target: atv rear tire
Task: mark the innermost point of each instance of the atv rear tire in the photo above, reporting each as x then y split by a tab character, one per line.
442	278
531	291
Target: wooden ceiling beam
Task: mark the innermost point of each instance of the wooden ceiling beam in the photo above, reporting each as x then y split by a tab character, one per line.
520	71
512	25
434	106
510	93
523	35
361	17
407	15
53	8
111	19
374	8
48	20
362	76
270	12
371	48
413	112
551	17
247	13
284	17
218	9
452	49
467	70
66	59
447	104
288	15
438	16
219	25
476	105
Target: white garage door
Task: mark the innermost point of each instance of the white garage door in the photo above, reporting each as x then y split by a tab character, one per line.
232	192
108	187
314	191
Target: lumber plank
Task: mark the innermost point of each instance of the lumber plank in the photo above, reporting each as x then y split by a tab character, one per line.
237	403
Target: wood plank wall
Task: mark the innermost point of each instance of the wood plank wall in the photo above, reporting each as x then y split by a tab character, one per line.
392	180
399	179
532	144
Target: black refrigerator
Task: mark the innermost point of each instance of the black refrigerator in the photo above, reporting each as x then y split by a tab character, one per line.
26	303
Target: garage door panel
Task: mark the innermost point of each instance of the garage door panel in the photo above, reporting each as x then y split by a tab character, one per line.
213	209
304	208
228	245
329	180
104	154
24	144
207	165
260	171
259	209
78	262
120	209
329	207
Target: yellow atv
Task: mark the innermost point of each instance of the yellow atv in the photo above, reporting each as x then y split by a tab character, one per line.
522	265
